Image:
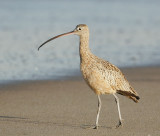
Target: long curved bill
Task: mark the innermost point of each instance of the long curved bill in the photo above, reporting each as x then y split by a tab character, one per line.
69	33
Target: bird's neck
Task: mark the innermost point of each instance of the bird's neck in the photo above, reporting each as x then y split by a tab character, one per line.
84	48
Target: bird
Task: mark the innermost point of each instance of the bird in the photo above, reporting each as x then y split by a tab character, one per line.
100	75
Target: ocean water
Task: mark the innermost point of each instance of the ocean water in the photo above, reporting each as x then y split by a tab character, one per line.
124	32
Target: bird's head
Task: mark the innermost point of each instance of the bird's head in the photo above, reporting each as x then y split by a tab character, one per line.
80	30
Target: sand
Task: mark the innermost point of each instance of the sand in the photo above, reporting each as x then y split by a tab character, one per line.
68	107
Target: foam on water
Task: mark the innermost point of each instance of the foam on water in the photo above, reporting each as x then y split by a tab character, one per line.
124	32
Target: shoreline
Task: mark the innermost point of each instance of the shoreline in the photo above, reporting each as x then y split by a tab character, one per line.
78	75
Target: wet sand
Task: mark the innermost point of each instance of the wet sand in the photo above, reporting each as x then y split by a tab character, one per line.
68	107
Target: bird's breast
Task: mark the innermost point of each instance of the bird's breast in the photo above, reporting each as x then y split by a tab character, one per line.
95	76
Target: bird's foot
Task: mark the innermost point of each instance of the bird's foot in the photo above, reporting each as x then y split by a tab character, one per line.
95	127
119	124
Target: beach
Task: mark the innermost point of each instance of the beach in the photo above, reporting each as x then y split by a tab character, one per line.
69	107
42	92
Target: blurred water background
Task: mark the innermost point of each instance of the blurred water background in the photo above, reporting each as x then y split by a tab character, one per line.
125	32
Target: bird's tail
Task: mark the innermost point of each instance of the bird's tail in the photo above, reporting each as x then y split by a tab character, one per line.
130	95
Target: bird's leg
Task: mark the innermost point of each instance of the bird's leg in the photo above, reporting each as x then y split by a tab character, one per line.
119	112
98	111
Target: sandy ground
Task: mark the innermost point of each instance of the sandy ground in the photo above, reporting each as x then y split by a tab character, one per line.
57	108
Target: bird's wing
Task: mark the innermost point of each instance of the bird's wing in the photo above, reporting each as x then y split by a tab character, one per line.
116	78
117	81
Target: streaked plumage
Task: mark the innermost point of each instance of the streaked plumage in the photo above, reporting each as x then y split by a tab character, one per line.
105	78
102	76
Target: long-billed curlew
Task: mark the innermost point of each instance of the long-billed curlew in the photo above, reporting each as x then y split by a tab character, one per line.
101	76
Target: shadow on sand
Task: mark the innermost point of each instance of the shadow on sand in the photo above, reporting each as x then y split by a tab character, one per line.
27	120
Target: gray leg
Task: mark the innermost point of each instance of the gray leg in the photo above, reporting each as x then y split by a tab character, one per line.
98	111
119	112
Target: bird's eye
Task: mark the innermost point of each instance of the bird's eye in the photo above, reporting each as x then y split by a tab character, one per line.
79	28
